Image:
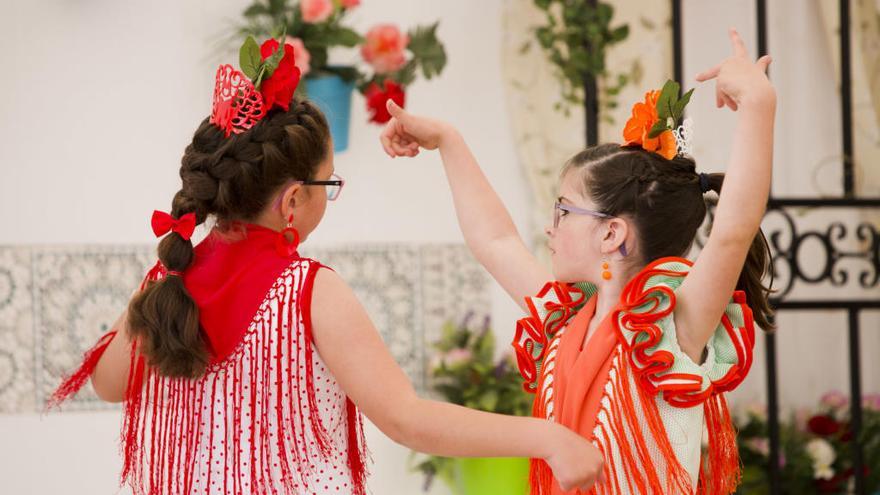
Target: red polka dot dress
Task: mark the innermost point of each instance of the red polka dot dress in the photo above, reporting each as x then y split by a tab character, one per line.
267	416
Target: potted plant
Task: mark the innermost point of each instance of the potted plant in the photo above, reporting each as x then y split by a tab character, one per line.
391	59
465	371
815	447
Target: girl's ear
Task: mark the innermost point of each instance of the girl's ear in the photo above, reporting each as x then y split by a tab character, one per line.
288	200
616	233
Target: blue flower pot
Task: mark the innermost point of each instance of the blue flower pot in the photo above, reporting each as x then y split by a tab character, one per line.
333	96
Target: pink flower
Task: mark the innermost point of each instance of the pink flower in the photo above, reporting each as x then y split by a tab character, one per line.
834	399
316	10
457	357
384	48
759	445
300	54
350	4
871	401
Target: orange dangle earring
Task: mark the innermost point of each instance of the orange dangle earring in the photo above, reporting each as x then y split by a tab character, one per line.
287	240
606	272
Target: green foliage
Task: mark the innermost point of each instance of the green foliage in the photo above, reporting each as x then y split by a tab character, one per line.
576	37
249	60
466	372
428	52
670	108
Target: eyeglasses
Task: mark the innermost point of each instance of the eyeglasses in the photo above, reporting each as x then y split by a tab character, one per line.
559	209
334	186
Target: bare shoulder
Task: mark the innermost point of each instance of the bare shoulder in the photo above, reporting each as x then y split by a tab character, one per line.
334	304
328	286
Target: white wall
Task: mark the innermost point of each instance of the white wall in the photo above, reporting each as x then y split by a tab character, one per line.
98	99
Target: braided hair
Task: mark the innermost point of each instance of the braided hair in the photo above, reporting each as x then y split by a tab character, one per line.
664	200
231	179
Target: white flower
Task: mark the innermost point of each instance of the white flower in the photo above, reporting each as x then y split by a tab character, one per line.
684	135
822	454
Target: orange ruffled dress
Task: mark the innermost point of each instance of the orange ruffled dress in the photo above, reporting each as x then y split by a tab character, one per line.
643	402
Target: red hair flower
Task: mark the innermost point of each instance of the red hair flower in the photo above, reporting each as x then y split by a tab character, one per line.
278	89
268	77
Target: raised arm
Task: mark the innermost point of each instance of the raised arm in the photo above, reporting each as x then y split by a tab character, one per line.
351	347
485	223
741	85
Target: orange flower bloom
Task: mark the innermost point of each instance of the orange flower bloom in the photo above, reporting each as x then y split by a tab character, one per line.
644	116
666	146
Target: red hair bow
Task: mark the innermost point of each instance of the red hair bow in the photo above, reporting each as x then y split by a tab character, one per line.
163	223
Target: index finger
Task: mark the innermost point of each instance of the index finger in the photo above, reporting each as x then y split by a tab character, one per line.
739	47
708	74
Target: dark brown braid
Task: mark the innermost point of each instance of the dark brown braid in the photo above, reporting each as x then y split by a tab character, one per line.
232	179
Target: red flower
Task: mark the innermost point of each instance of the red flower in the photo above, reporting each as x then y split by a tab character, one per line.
376	99
838	483
823	425
278	89
847	433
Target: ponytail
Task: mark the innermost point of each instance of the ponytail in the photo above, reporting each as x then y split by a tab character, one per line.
755	268
164	317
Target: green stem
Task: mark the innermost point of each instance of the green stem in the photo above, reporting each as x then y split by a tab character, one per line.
259	78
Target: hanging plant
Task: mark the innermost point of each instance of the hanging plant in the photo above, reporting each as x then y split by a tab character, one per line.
576	37
391	59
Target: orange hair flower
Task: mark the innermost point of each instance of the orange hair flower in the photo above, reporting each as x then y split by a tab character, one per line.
644	115
652	121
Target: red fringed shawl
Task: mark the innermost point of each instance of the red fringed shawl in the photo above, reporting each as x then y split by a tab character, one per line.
266	416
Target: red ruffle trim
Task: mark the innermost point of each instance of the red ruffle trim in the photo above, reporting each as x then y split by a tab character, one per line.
534	333
652	366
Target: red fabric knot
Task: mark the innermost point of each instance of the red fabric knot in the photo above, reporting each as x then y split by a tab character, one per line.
163	223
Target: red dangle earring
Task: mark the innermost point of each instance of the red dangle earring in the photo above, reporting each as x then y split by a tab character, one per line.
287	240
